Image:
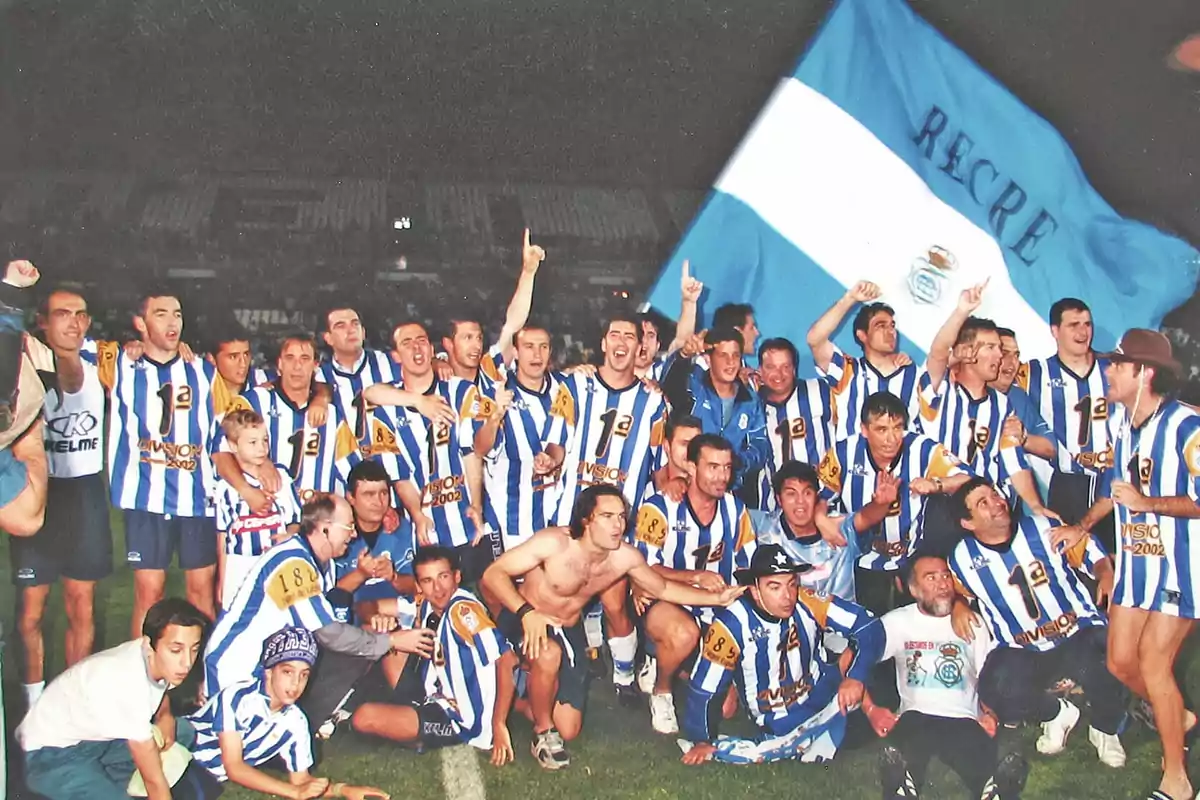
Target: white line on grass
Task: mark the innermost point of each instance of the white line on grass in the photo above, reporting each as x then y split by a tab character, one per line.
460	773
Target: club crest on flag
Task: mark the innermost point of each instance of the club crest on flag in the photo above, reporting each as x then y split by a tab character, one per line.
927	277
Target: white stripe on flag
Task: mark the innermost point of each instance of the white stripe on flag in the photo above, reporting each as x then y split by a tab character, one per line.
828	185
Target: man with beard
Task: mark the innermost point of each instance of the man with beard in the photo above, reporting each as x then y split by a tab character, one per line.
610	426
725	404
464	345
521	471
798	414
976	423
697	541
939	707
1069	389
1043	619
563	568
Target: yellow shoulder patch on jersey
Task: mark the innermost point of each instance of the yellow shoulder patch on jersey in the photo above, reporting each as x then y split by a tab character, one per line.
382	439
942	464
106	362
487	366
926	407
486	407
239	403
829	471
720	647
818	604
344	442
468	618
292	581
847	375
470	403
651	525
1078	552
658	433
745	531
1191	454
563	406
1022	378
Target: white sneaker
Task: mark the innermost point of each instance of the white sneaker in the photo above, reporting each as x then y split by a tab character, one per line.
648	675
1108	748
1055	732
662	713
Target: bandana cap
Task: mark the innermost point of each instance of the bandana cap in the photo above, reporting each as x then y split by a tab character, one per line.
289	644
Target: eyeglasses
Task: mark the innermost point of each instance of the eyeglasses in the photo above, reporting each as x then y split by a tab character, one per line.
341	525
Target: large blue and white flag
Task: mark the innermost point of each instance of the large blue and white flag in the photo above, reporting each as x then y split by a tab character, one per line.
888	155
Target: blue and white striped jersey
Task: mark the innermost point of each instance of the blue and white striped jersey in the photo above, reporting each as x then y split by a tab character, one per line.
669	535
396	545
1030	595
310	455
244	708
520	501
970	428
848	475
428	455
286	586
372	367
781	667
852	379
492	369
1076	409
832	567
250	534
1157	555
461	676
159	432
800	429
611	436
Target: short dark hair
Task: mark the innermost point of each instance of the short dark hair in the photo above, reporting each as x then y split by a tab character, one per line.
318	509
149	293
862	320
43	308
724	334
958	501
1164	382
732	315
793	470
225	329
910	567
586	503
1066	304
660	322
711	441
369	470
172	611
680	420
780	343
884	404
453	323
631	319
339	304
427	555
1009	332
532	326
971	329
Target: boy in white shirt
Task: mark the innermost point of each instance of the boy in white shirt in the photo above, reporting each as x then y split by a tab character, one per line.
94	724
243	535
937	673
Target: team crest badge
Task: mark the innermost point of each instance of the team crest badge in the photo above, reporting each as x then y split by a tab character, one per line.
929	274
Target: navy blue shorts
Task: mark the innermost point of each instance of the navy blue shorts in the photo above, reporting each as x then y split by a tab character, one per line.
75	541
151	540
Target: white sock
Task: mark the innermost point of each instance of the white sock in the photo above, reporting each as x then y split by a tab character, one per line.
33	691
624	651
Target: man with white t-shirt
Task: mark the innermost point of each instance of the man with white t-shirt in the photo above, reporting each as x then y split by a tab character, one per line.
75	542
94	724
937	674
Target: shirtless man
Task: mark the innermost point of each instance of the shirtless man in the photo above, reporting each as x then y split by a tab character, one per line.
563	568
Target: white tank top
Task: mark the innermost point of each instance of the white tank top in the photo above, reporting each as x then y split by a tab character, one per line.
74	430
